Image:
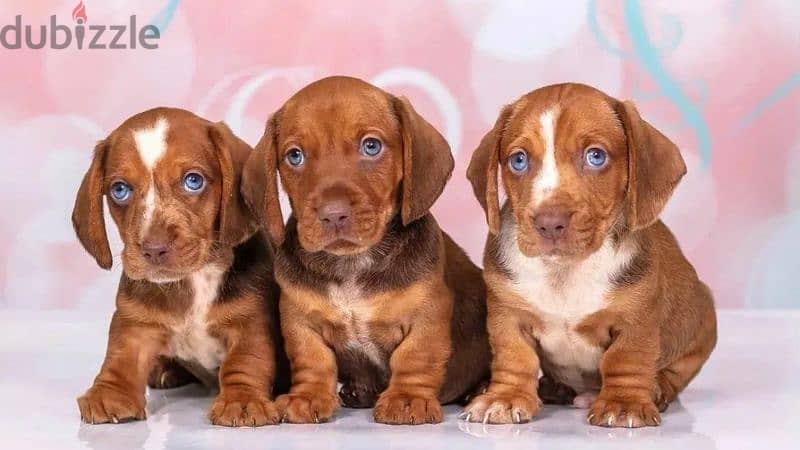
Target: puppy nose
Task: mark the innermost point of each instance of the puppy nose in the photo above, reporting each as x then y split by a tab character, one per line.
335	213
551	224
155	251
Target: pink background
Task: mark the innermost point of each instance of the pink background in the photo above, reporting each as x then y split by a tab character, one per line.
717	76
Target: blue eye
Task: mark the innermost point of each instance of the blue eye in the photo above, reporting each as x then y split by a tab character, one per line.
596	157
193	182
518	162
295	157
120	192
371	146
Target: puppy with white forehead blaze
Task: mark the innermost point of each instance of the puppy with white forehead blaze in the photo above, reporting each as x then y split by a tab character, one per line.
196	300
584	282
373	293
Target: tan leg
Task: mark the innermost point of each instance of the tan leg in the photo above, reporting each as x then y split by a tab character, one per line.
246	378
628	369
418	367
312	397
117	394
512	393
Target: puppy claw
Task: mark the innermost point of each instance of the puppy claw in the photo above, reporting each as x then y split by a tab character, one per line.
517	417
627	413
486	417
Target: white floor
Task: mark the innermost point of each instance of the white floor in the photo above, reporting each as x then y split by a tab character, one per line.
747	396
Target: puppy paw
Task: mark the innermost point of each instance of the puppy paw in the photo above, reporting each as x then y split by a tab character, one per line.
502	408
168	374
399	408
306	408
106	405
611	412
243	410
358	395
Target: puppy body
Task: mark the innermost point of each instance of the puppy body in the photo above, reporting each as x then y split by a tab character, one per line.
195	301
373	293
610	310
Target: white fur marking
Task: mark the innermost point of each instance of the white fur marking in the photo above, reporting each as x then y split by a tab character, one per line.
562	297
357	314
191	340
151	143
547	179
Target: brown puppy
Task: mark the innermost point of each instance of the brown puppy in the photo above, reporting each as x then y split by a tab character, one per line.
372	291
196	295
585	282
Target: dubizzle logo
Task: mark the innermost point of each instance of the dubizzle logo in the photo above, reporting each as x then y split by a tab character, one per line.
81	35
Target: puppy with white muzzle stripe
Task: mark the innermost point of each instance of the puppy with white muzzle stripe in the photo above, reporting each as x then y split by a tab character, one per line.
196	300
584	282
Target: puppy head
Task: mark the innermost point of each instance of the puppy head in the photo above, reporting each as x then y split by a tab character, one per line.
350	157
171	182
575	163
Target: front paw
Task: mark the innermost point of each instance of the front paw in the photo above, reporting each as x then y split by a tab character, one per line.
102	404
614	412
243	410
399	408
358	395
306	407
502	408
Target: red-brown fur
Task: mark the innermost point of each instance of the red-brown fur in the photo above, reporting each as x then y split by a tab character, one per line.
387	303
656	325
154	301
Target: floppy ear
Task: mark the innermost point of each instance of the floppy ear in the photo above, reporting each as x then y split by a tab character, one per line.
427	162
655	167
87	215
236	223
260	182
482	171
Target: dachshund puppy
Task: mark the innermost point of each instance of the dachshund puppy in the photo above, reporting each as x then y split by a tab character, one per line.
584	281
373	293
196	296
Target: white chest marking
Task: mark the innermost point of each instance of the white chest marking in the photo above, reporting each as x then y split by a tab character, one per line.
562	297
349	301
151	144
191	340
546	181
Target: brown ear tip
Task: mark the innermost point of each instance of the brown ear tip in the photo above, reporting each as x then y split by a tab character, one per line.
105	262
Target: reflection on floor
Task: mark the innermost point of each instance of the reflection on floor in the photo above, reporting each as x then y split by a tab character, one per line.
746	397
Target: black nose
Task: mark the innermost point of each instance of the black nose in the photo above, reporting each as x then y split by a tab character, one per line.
335	214
551	224
155	251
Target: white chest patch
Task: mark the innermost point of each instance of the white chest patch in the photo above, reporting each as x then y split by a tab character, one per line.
562	298
191	340
151	144
356	315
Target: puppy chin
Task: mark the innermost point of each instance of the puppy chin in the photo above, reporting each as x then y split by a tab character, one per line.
547	250
338	243
163	274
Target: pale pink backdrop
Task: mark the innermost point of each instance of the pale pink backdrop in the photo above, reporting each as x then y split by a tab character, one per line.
720	77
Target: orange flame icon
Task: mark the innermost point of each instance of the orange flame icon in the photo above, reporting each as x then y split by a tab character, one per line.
79	13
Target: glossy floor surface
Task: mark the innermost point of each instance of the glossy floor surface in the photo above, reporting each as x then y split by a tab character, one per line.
746	397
